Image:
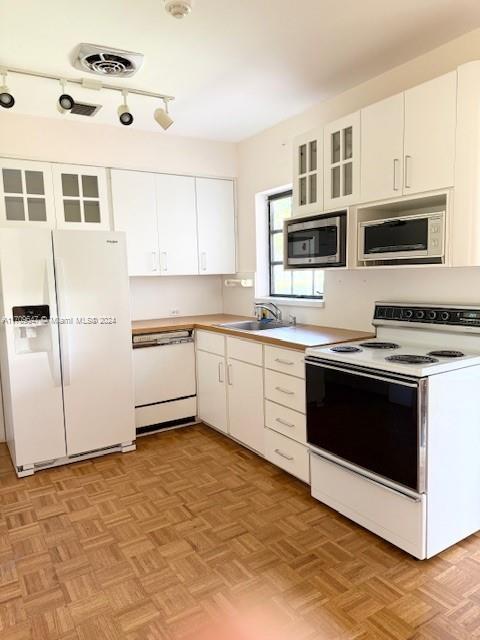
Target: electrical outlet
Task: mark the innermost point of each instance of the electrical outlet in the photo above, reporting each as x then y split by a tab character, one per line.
175	312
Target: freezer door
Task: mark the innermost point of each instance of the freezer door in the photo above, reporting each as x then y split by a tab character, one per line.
93	291
30	363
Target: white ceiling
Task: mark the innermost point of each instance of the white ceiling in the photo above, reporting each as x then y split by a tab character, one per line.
235	66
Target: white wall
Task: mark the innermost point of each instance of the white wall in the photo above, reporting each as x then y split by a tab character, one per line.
265	162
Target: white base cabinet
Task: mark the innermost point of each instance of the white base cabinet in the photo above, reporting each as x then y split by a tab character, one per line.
211	390
245	404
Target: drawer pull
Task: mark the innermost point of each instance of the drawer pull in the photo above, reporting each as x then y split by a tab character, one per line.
285	423
287	391
283	455
281	361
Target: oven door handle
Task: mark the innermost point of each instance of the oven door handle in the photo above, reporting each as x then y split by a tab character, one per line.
356	372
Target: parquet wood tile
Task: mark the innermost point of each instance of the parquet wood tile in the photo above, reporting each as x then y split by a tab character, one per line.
192	536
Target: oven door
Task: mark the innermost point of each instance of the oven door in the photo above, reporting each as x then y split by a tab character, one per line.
396	239
315	243
374	421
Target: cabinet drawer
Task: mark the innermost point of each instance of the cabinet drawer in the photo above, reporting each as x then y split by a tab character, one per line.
210	341
245	350
286	421
287	454
388	513
285	361
285	390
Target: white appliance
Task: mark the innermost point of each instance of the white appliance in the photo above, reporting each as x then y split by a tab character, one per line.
394	425
403	237
66	364
165	382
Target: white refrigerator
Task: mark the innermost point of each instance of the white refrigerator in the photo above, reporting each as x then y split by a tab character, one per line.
65	345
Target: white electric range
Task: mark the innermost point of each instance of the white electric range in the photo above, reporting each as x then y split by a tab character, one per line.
394	425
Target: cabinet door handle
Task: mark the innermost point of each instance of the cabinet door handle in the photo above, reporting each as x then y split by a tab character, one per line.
154	261
396	166
285	423
286	391
229	374
281	361
203	261
164	261
406	178
284	455
220	372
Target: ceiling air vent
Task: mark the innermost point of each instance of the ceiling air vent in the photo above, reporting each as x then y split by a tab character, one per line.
85	109
106	61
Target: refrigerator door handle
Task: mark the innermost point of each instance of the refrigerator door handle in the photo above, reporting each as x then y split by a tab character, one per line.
54	353
63	325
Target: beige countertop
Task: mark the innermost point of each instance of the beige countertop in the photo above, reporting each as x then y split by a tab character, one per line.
299	337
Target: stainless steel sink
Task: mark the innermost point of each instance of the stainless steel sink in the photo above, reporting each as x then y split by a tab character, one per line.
255	325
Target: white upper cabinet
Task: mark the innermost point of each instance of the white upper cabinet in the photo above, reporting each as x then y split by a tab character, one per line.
135	212
382	149
26	194
216	225
308	173
177	225
430	120
81	197
342	162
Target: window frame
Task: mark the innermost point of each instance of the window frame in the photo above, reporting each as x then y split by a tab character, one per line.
272	263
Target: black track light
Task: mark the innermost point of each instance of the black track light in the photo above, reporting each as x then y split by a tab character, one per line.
6	99
124	114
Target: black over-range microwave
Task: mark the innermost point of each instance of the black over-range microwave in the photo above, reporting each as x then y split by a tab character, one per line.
316	241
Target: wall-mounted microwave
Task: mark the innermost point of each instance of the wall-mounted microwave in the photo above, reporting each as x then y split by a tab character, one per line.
316	242
404	237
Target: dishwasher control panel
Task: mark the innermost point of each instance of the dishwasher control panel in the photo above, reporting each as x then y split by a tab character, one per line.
162	338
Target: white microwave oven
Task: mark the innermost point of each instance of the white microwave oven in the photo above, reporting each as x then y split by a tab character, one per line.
404	237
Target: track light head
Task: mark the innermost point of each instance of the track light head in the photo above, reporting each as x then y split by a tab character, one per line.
162	117
6	99
124	114
65	101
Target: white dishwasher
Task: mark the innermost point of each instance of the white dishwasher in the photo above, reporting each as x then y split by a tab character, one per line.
165	384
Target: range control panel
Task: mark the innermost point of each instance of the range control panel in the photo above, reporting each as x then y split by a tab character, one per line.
457	316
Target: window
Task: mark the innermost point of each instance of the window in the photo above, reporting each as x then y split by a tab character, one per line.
299	283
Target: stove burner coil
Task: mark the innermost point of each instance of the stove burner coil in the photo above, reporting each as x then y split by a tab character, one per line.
345	349
411	359
380	345
446	354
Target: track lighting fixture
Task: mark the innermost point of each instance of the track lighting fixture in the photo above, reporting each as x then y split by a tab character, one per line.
6	99
162	117
124	114
65	101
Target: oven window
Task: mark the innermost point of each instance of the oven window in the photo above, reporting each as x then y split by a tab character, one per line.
368	422
313	243
401	235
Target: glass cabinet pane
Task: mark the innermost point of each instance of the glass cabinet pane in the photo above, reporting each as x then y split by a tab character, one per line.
335	147
336	182
302	159
12	181
303	191
347	179
14	209
347	143
71	210
70	185
312	148
34	183
312	188
91	209
37	210
90	186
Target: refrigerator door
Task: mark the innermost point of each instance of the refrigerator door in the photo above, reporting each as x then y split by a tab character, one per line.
30	362
92	289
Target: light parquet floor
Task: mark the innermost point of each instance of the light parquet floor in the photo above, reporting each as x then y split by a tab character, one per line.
192	532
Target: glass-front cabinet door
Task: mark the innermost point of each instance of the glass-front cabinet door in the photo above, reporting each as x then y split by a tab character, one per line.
308	173
81	200
342	161
26	194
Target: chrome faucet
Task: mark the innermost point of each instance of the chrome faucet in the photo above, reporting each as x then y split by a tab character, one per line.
272	309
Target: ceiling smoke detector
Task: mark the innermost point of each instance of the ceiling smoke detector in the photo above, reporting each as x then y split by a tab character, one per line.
178	8
106	61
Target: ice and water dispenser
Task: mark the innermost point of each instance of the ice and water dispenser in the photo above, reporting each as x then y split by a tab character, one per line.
31	328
